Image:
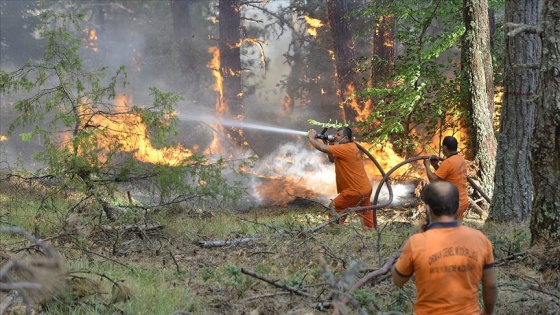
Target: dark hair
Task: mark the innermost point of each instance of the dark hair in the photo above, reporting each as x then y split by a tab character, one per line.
346	131
442	197
450	142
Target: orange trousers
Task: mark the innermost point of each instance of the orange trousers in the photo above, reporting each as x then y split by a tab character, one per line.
346	200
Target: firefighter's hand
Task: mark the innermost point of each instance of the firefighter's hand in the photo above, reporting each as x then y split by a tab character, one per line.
311	133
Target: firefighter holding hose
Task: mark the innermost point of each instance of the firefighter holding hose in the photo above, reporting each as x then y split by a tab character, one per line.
352	182
453	169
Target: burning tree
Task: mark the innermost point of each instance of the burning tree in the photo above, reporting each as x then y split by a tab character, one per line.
93	136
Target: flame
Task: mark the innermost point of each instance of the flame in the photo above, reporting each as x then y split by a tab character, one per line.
385	156
126	129
3	138
221	106
90	39
312	25
363	110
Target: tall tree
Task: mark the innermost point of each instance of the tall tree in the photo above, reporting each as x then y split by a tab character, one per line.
230	105
545	145
511	200
383	44
183	33
337	12
477	66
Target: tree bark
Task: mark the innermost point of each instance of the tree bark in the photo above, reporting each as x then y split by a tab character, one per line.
231	106
545	145
511	201
183	34
337	11
383	46
480	85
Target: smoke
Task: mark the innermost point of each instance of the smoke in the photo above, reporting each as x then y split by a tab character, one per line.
301	169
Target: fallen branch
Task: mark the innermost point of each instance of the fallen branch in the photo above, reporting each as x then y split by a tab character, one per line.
134	228
476	208
386	268
209	244
12	296
276	284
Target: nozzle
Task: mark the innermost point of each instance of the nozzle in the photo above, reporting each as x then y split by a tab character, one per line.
329	138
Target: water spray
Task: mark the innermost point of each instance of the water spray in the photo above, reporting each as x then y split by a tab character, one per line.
242	124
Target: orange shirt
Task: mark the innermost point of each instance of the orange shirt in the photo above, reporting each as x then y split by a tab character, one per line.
454	169
448	261
351	175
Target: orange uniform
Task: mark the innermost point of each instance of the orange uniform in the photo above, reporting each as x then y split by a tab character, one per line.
448	261
352	183
454	169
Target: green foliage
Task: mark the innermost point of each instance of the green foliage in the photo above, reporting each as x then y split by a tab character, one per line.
512	241
236	280
422	93
364	297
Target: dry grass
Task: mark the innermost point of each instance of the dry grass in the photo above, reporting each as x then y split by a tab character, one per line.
158	265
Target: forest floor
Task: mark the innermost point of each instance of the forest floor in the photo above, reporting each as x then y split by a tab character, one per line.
263	260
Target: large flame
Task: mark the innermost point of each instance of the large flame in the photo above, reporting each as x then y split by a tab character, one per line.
221	106
363	110
131	134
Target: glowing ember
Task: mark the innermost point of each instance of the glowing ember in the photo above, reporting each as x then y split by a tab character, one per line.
90	39
312	25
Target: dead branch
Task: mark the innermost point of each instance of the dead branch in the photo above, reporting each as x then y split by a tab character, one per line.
175	262
131	227
210	244
266	295
36	276
386	268
519	27
538	289
10	298
276	284
506	259
476	208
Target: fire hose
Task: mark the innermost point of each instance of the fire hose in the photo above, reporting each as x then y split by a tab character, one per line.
385	179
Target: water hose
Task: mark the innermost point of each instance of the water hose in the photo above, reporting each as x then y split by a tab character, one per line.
385	180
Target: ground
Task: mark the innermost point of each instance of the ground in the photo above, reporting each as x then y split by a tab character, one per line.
262	260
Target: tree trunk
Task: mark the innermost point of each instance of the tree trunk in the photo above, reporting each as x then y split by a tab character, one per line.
337	11
511	201
545	146
383	46
230	67
480	84
183	34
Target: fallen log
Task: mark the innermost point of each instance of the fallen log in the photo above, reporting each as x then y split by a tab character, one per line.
239	241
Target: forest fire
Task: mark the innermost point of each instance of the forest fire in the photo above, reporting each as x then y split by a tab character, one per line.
126	130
